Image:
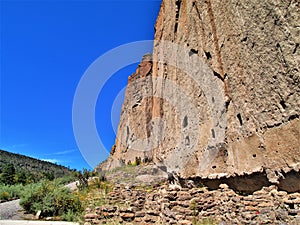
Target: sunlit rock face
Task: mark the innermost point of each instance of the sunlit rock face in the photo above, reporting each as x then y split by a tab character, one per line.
220	97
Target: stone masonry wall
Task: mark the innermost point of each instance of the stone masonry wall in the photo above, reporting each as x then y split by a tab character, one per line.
171	205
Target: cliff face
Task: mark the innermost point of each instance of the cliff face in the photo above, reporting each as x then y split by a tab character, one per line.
221	95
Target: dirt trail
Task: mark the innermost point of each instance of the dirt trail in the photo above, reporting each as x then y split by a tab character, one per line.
11	210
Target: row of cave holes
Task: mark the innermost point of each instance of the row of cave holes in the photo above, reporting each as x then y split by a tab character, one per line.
187	139
184	124
214	167
282	103
178	5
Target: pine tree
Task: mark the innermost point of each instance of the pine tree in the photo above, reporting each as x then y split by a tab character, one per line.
8	174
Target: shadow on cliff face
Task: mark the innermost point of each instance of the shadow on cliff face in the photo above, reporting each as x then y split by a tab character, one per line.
248	184
291	182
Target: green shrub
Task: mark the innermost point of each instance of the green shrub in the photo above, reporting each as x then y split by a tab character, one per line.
51	198
8	192
4	196
70	216
66	179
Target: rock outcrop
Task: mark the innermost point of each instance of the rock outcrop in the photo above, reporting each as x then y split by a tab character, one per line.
220	97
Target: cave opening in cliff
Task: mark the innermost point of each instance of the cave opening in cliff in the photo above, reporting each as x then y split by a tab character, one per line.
240	119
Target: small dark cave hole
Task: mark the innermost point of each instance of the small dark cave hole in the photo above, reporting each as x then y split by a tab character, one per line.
278	45
295	49
292	117
254	155
225	153
193	51
175	28
244	39
213	133
135	105
282	103
240	119
218	75
214	167
185	121
291	206
208	55
187	140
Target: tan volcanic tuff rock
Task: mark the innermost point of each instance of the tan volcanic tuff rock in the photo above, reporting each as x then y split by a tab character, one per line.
221	96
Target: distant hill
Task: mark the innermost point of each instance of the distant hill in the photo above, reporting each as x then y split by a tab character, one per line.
31	165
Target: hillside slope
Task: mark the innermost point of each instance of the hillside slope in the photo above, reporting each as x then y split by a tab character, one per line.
27	164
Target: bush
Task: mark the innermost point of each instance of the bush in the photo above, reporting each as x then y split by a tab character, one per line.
71	216
83	179
4	196
66	179
8	192
51	198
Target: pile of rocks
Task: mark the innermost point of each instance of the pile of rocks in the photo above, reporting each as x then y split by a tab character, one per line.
172	205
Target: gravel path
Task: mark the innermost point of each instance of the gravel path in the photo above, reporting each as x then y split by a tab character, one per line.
11	210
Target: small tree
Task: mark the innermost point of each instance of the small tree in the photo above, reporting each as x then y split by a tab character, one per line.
83	178
8	174
21	178
48	175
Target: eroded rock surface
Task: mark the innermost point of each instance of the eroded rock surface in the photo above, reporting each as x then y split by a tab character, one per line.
220	96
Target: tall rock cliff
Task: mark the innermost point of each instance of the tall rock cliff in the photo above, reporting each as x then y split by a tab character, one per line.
220	97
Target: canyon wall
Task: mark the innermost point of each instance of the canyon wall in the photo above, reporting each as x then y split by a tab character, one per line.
220	96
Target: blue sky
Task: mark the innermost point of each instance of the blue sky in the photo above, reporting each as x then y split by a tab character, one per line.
46	46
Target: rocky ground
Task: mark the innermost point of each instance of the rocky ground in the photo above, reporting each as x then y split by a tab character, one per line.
157	202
